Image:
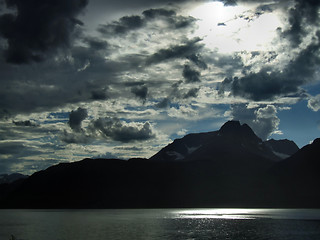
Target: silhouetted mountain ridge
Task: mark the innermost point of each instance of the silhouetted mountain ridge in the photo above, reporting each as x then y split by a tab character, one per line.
283	148
231	167
305	161
9	178
233	140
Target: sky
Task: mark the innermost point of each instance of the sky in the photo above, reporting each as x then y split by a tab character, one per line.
122	79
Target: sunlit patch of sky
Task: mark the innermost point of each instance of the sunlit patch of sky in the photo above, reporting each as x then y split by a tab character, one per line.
235	28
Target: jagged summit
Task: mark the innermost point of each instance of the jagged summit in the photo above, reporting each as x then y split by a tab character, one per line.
235	129
230	126
229	142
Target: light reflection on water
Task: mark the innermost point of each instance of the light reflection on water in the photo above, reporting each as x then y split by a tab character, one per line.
226	213
238	224
242	213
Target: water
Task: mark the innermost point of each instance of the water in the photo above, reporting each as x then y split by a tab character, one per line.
237	224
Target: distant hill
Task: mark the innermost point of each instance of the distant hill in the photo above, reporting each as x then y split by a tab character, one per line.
230	167
282	148
9	178
298	176
303	162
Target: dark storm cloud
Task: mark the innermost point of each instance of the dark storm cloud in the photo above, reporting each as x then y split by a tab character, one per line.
134	22
304	13
192	93
99	94
164	103
263	120
140	91
122	26
96	44
160	12
190	75
177	93
81	73
114	129
170	16
26	123
38	27
229	64
225	86
82	77
197	59
129	4
264	85
268	84
229	2
76	117
184	50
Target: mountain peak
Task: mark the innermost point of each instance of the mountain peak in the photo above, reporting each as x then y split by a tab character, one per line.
283	147
230	126
235	128
316	141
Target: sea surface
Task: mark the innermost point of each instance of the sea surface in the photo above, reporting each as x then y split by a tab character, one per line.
237	224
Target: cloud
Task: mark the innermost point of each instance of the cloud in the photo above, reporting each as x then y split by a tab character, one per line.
192	93
96	43
26	123
197	59
190	75
141	92
229	2
75	137
12	147
303	13
129	23
170	16
314	103
76	117
264	85
38	28
184	50
114	129
96	69
124	25
164	103
263	120
183	112
271	83
99	94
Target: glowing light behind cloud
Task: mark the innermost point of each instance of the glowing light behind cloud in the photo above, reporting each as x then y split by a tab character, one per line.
231	29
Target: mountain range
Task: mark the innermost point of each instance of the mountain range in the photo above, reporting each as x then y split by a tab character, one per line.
231	167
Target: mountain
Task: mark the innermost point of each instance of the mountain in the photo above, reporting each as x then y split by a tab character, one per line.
9	178
303	162
232	141
298	176
230	167
282	148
